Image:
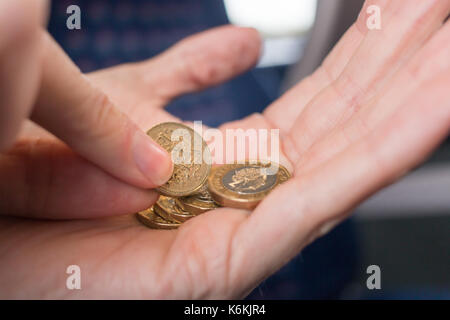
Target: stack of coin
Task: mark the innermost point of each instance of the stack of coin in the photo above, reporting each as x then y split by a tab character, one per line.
195	188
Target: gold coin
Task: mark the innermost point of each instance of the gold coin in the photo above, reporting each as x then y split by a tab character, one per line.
283	175
150	219
197	203
244	185
167	208
190	155
159	211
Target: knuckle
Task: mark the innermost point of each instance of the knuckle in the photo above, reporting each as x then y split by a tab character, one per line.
199	70
97	117
101	109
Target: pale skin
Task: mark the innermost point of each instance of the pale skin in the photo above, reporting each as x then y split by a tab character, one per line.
375	109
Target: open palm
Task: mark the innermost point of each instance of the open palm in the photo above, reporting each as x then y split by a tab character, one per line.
374	110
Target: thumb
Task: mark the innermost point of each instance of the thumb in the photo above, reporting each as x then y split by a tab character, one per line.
70	107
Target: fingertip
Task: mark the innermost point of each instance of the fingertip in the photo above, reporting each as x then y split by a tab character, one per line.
152	160
251	40
253	35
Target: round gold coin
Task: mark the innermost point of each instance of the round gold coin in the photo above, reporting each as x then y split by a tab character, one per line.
197	203
150	219
244	185
168	209
190	155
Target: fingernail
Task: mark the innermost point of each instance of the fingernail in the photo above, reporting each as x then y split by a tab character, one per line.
152	160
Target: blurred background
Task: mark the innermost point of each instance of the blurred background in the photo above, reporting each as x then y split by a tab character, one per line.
405	229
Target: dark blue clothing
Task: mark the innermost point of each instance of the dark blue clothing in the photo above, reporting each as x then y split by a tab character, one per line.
119	31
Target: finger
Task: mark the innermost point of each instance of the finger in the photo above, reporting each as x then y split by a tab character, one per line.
406	26
309	203
199	61
71	108
286	109
429	61
45	179
20	59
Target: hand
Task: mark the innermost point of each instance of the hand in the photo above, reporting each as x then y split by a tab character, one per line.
380	95
38	81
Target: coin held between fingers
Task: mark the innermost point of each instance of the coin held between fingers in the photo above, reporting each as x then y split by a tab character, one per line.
188	176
